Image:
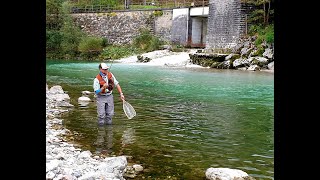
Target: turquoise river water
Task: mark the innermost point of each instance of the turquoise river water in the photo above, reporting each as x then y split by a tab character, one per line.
188	119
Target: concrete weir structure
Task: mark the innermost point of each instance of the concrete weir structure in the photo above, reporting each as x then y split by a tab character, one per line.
218	26
189	26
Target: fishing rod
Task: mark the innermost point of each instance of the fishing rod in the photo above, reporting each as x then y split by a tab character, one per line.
111	64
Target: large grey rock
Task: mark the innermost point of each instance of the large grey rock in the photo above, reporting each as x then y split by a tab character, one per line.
227	174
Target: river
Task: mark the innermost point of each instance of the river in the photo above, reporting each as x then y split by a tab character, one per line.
188	119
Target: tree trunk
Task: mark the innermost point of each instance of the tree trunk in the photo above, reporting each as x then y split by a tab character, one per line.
264	13
268	12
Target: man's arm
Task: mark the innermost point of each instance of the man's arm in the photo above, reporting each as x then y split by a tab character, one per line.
120	91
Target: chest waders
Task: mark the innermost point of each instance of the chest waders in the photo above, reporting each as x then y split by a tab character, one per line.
105	104
105	109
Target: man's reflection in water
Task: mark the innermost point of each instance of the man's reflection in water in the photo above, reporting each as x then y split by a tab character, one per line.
104	142
128	136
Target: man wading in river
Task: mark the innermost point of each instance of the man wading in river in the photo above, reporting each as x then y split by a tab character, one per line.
103	85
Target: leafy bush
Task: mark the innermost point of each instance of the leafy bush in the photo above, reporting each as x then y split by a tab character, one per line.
269	34
177	48
53	40
105	42
157	13
263	33
90	46
146	41
117	52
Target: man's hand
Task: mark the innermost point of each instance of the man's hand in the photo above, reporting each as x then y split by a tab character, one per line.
105	85
122	96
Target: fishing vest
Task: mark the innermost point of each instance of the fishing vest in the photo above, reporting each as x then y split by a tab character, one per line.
102	82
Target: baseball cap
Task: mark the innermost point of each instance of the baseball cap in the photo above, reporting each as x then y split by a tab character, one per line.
104	66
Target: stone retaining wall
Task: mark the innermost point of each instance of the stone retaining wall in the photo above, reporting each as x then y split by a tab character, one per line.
226	23
121	27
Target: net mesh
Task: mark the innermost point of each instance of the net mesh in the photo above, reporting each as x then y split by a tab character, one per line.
128	110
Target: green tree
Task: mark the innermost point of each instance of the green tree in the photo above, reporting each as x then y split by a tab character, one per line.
54	21
62	36
53	14
263	12
71	34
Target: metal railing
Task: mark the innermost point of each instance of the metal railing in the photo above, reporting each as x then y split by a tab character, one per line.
143	5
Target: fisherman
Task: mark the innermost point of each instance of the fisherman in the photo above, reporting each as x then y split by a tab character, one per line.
103	85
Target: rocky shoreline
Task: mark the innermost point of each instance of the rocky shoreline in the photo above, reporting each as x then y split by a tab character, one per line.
246	56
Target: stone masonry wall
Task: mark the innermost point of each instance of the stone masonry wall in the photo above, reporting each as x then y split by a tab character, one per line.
163	25
121	27
225	24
